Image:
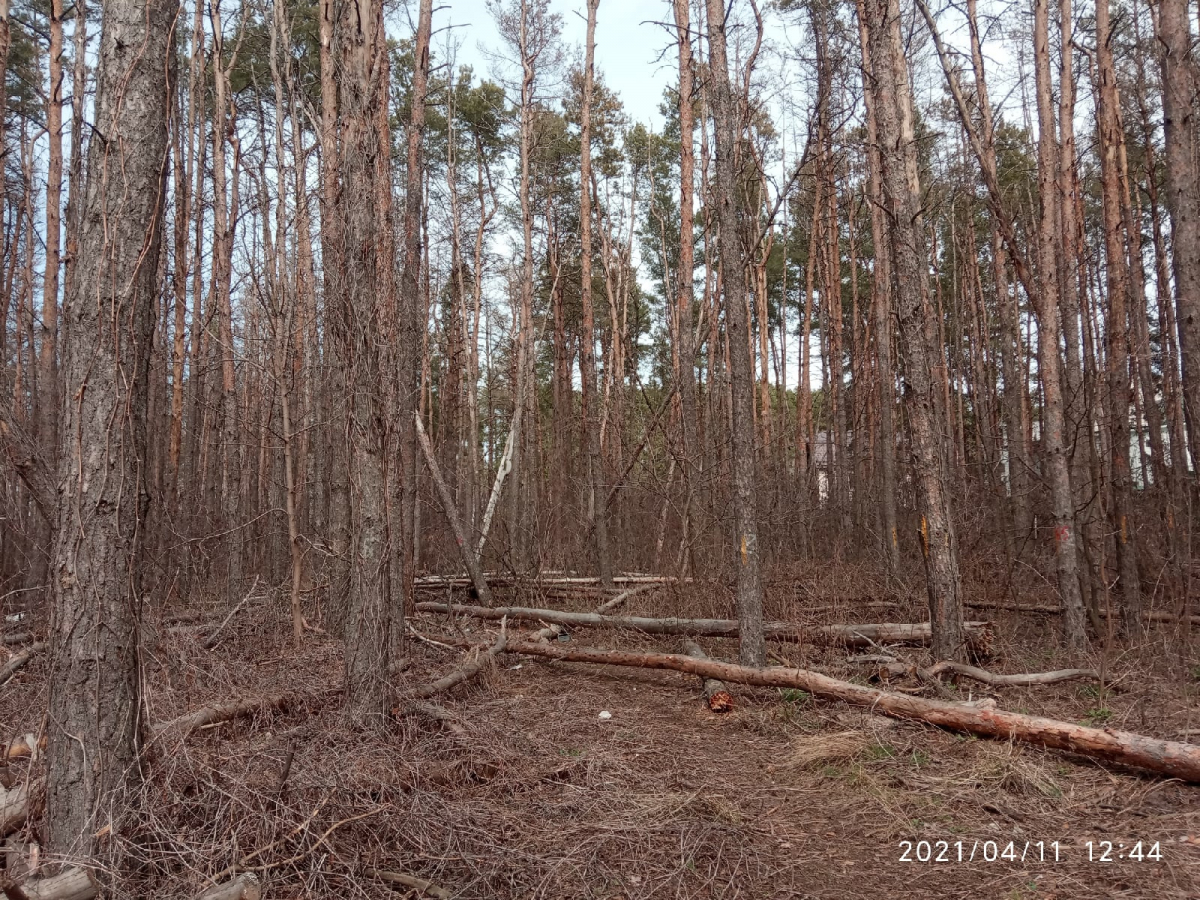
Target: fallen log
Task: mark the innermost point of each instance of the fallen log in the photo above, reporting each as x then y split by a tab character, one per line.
72	884
18	637
221	712
716	695
544	580
625	595
211	640
465	672
14	806
19	661
244	887
422	886
1154	615
980	634
470	560
1021	679
1171	758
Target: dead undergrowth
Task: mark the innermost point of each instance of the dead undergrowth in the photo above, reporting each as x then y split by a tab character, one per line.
543	798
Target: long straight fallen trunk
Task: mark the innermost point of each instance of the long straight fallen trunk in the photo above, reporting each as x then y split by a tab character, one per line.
1171	758
979	634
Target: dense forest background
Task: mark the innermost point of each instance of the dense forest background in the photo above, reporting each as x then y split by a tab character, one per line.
897	300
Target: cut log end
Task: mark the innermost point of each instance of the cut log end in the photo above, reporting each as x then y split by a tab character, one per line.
720	702
716	695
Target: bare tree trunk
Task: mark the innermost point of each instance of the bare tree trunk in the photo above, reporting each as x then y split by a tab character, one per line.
733	273
1054	450
910	263
1116	247
225	215
881	318
413	321
587	338
333	253
1077	411
359	326
685	338
1181	85
48	356
95	704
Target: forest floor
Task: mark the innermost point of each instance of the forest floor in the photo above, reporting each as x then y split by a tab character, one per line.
543	798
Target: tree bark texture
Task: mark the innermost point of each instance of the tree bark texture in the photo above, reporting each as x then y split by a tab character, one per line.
108	319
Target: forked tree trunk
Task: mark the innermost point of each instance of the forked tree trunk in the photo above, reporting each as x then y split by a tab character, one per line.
109	317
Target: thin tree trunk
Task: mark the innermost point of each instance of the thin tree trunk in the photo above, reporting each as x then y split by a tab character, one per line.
1054	452
733	273
881	317
1181	85
587	338
691	455
1116	257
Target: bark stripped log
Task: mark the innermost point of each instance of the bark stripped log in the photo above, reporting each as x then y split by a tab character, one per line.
14	806
1019	679
1174	759
215	713
979	634
423	887
73	884
716	695
244	887
464	673
19	661
470	560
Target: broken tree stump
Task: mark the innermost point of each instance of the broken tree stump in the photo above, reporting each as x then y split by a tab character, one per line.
1171	758
719	699
980	634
